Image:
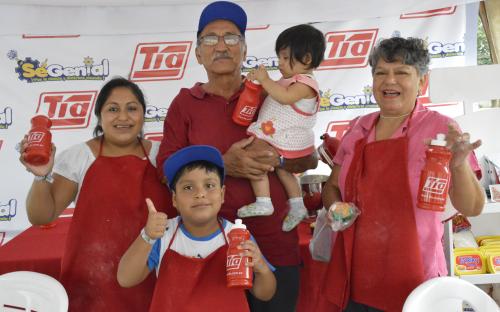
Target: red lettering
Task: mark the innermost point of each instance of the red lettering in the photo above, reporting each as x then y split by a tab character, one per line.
160	61
149	52
174	60
67	109
52	101
349	48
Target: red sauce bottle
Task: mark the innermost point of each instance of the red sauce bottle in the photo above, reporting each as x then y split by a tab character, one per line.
248	103
435	176
39	145
237	272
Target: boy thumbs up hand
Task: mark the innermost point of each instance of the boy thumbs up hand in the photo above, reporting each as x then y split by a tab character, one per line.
157	221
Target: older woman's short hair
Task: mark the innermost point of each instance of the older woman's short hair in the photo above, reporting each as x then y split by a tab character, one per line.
410	51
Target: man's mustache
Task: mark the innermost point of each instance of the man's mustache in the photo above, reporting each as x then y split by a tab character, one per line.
221	55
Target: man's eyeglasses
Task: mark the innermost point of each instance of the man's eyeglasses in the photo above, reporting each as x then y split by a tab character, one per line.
229	39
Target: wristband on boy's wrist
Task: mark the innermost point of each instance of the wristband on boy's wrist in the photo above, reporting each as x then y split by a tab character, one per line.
146	237
48	177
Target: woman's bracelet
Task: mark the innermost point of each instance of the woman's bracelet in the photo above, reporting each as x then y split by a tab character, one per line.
48	177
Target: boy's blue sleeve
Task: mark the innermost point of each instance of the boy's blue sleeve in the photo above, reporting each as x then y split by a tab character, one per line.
271	267
154	255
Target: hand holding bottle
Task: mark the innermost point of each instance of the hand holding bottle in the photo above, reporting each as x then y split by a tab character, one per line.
39	142
247	104
435	176
238	270
260	74
37	150
37	170
250	249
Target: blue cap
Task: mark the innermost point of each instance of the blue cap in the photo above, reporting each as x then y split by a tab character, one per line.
190	154
223	10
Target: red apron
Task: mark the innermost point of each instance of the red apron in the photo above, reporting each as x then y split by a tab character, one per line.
108	217
188	284
377	260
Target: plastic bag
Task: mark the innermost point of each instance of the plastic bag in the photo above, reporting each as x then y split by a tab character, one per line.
323	238
342	215
464	239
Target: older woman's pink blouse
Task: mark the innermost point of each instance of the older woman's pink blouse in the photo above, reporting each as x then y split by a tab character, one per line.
425	124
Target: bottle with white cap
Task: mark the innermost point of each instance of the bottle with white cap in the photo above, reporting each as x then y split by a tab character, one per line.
435	176
237	272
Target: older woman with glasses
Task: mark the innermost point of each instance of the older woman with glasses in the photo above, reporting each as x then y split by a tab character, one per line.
393	246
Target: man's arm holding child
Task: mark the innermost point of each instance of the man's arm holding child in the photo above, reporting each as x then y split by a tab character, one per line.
133	266
244	159
264	284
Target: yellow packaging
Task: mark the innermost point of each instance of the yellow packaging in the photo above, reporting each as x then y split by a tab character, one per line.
469	262
492	258
489	248
488	242
457	249
480	238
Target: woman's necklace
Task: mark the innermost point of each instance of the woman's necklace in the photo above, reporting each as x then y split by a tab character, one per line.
394	117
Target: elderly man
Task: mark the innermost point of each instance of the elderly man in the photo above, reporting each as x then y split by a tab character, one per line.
202	115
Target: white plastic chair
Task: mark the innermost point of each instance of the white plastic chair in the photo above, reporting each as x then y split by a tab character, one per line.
31	291
445	294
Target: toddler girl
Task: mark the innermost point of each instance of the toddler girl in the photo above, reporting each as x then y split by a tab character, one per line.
287	116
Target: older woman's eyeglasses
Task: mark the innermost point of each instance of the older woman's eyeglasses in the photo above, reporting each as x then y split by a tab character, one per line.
229	39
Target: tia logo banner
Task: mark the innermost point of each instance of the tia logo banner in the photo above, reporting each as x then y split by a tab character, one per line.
32	70
67	110
348	49
160	61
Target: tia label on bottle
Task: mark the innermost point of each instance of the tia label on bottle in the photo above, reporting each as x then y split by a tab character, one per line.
435	176
248	103
238	274
39	145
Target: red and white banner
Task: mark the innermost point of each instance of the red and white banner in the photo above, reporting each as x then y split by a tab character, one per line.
60	76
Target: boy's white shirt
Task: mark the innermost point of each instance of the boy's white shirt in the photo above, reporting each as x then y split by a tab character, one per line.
189	246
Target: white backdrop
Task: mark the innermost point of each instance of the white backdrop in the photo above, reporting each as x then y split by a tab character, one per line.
58	73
